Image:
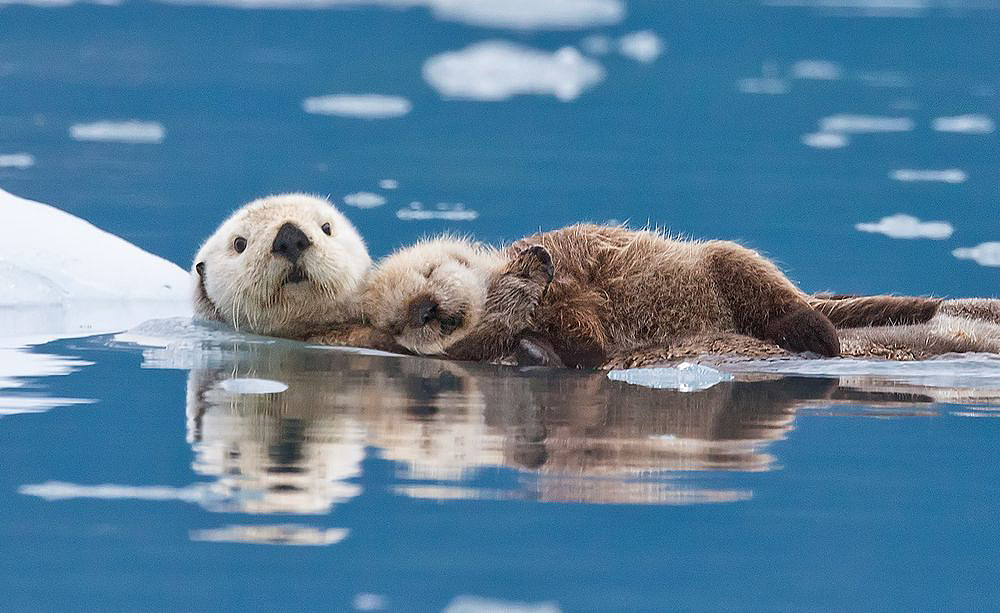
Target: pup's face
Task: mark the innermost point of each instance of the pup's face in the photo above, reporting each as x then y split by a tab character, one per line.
278	264
430	295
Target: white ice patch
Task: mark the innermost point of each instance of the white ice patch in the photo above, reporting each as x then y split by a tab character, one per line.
62	276
531	14
364	200
388	184
132	131
685	377
478	604
867	8
365	106
58	3
772	86
643	46
950	175
984	254
825	140
253	386
816	69
860	124
366	601
443	210
273	534
498	70
965	124
907	226
58	490
17	160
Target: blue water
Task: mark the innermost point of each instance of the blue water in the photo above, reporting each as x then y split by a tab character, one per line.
416	481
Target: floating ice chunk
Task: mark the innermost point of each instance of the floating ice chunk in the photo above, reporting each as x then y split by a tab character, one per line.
58	490
365	106
57	3
369	602
274	534
685	377
901	225
253	386
13	405
388	184
364	200
444	210
61	275
644	46
984	254
773	86
867	8
859	124
17	160
478	604
966	124
498	70
950	175
825	140
596	44
531	14
816	69
132	131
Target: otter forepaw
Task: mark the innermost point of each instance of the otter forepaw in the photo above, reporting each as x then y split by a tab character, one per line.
536	352
804	330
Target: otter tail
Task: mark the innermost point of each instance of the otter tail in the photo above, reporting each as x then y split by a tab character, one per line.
847	311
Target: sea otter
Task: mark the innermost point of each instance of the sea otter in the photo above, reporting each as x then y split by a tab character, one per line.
593	292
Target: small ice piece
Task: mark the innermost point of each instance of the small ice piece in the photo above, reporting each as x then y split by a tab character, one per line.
272	534
478	604
253	386
984	254
901	225
388	184
685	377
859	124
949	175
444	210
643	46
131	131
596	44
498	70
965	124
366	601
365	106
816	69
364	200
17	160
526	14
825	140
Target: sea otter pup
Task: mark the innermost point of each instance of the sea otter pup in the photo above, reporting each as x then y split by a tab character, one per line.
288	265
593	292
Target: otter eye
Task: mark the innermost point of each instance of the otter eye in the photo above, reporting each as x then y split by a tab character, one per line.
326	228
240	244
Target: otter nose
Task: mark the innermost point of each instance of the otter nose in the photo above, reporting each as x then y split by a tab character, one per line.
290	242
422	310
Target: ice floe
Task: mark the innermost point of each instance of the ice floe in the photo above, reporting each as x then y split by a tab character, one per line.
253	386
443	210
860	124
388	184
365	106
907	226
272	534
364	200
965	124
58	3
498	70
643	46
478	604
366	601
685	377
132	131
816	69
984	254
825	140
531	14
17	160
949	175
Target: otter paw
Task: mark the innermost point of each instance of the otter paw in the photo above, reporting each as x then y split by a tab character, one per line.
804	330
535	263
536	352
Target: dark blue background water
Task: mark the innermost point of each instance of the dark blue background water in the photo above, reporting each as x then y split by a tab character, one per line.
851	512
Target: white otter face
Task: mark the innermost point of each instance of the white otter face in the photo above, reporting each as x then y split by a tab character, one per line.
432	294
280	264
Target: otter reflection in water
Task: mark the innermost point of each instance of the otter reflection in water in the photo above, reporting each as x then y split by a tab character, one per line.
567	435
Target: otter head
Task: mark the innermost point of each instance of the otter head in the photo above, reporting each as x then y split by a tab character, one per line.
279	265
432	294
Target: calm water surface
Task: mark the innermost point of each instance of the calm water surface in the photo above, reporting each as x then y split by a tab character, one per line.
183	468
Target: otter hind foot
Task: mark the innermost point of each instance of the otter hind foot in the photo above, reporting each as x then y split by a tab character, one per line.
532	351
804	330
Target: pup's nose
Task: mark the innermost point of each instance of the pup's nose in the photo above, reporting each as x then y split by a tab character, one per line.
290	242
422	310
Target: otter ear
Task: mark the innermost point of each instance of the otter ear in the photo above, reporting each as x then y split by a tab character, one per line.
200	267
